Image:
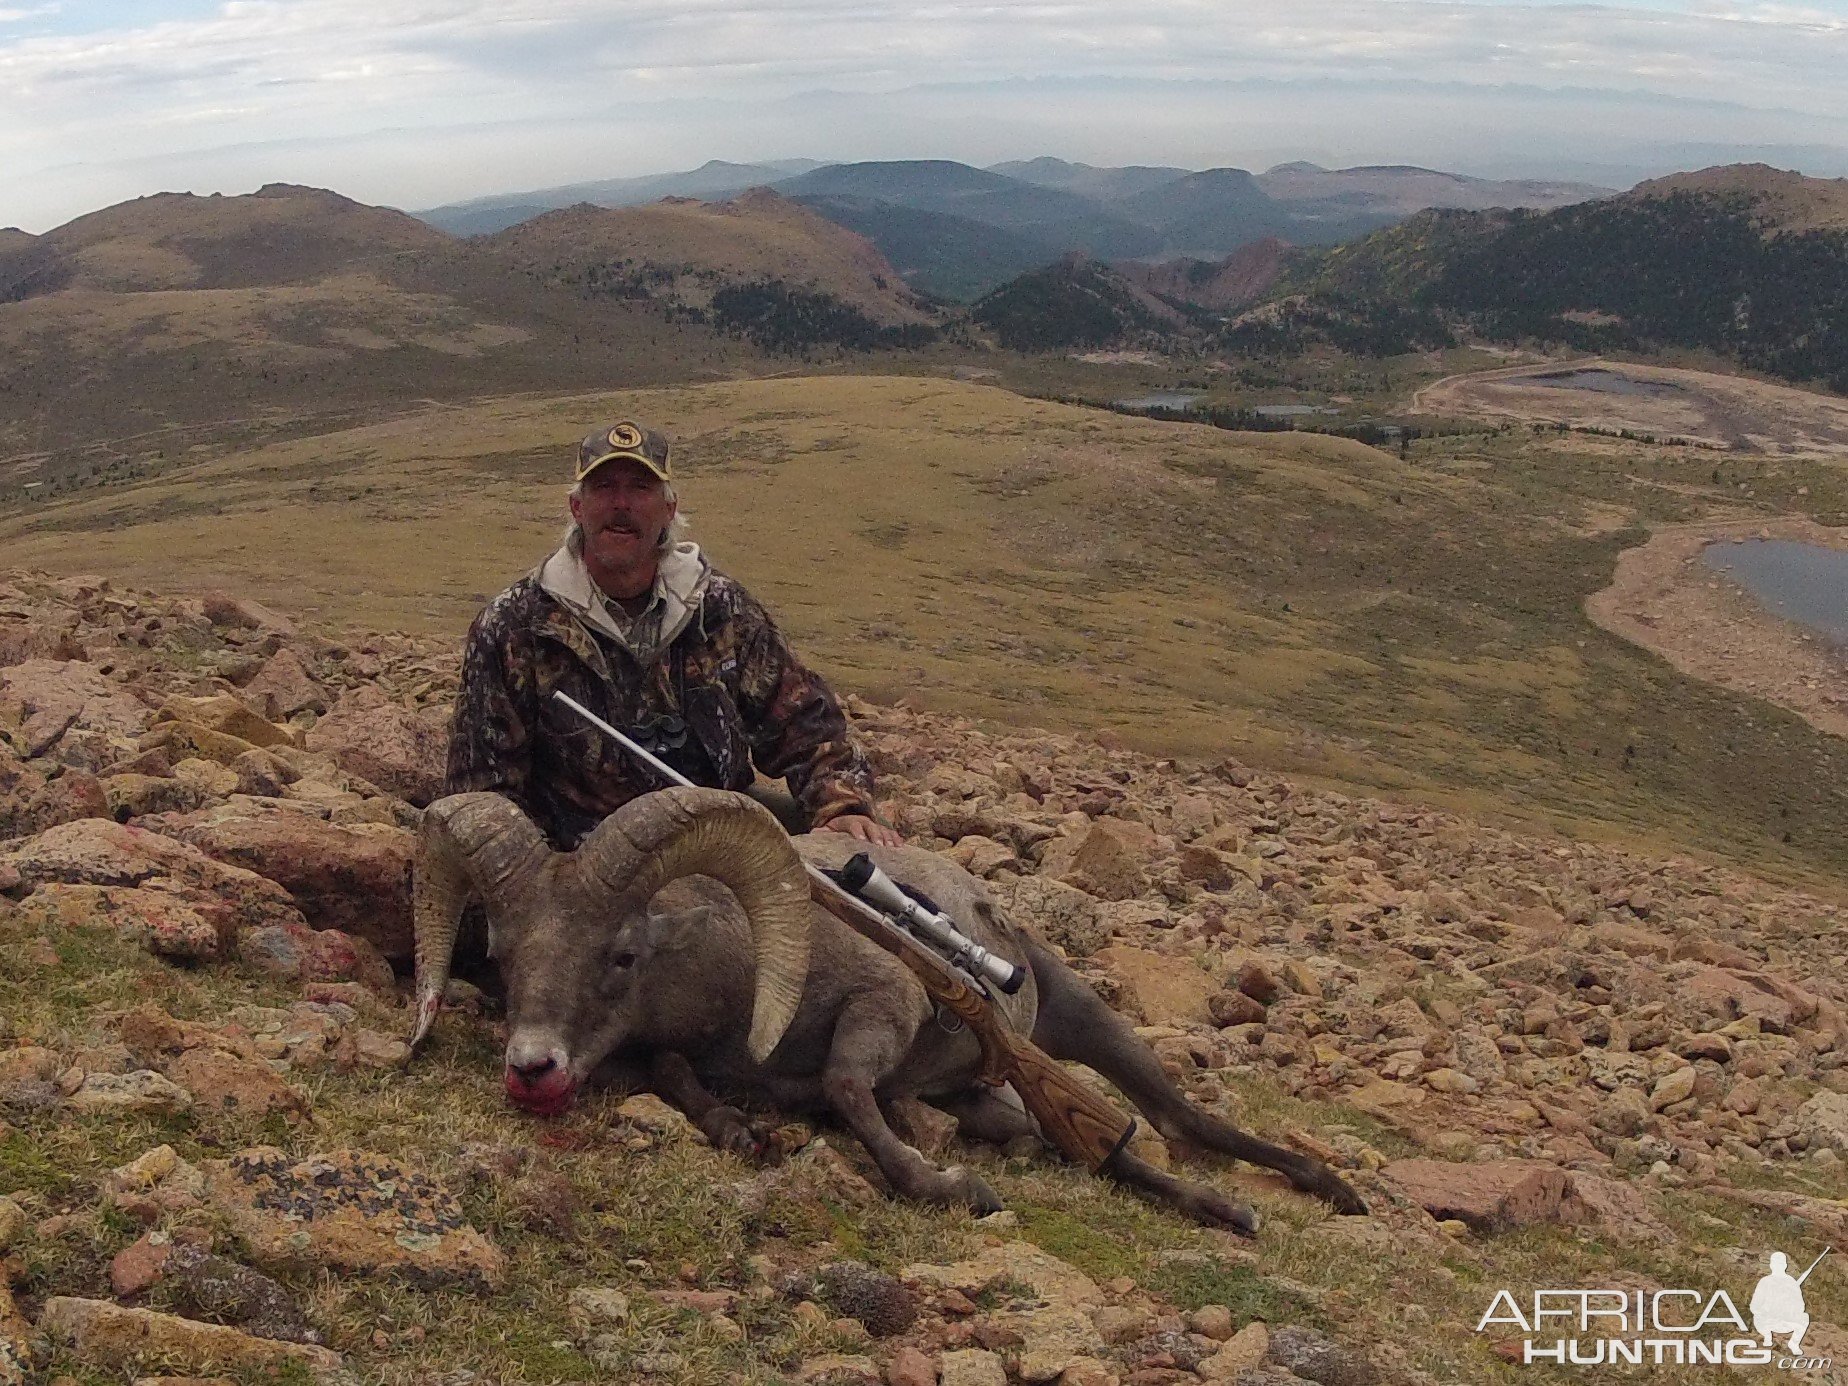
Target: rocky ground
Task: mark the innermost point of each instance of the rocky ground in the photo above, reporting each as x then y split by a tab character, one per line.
1542	1061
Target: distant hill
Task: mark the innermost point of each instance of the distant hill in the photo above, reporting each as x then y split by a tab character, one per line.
1781	201
169	310
1214	212
1074	304
280	234
1390	192
681	251
1745	261
1240	279
485	221
715	178
1039	209
1064	220
949	257
1105	184
12	238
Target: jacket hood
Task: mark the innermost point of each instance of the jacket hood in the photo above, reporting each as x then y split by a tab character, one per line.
681	579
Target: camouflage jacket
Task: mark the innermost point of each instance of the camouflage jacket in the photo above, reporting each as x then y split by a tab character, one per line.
723	669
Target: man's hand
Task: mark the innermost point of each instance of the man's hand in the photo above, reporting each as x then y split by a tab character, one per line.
866	829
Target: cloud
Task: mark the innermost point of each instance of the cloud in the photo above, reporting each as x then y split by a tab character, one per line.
343	70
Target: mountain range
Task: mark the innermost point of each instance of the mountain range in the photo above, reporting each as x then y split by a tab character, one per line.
1746	263
955	231
293	300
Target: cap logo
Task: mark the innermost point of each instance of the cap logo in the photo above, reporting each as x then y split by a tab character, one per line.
625	436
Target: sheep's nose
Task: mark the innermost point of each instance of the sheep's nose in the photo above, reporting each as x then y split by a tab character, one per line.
535	1056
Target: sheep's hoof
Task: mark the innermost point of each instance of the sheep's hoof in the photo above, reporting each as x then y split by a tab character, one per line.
981	1199
957	1187
729	1129
1334	1190
1214	1208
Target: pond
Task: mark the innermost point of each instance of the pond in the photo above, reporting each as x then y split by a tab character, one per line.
1291	411
1805	583
1162	399
1600	382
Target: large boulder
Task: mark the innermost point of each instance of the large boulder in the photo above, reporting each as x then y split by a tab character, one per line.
232	612
165	922
1491	1195
1823	1121
223	713
223	1071
28	631
284	687
352	1213
98	852
104	1335
1161	989
57	698
399	749
32	801
1104	859
1705	997
1059	913
355	878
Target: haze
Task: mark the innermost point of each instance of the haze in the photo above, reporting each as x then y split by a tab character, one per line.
417	102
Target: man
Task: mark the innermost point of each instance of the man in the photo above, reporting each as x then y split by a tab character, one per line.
637	626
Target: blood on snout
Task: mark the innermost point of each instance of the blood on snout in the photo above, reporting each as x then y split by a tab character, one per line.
547	1095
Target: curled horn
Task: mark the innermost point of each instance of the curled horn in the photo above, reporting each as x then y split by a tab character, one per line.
475	844
684	831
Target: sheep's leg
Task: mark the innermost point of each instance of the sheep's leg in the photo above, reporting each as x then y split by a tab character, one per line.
673	1080
990	1114
987	1114
1074	1023
867	1046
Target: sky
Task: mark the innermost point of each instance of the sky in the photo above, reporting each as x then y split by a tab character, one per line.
413	103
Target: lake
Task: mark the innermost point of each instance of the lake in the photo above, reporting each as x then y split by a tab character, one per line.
1600	382
1805	583
1162	399
1290	411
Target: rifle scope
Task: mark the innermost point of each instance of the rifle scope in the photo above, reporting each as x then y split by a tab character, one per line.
878	889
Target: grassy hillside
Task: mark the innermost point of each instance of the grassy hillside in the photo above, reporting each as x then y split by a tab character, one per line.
683	251
952	257
1743	262
1304	602
1073	304
281	234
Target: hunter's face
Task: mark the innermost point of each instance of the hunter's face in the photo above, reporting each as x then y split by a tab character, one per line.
622	507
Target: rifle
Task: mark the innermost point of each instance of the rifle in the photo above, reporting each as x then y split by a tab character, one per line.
1083	1123
1812	1265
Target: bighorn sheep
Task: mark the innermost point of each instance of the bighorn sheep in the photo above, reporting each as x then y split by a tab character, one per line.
678	944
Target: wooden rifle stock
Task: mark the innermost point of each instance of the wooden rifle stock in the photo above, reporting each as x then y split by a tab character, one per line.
1083	1123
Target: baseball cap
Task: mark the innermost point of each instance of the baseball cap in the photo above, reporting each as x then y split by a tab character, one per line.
625	439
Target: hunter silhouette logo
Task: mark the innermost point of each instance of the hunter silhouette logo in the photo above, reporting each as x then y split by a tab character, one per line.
1777	1302
1678	1327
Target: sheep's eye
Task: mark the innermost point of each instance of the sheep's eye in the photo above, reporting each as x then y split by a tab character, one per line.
623	960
